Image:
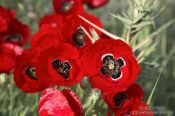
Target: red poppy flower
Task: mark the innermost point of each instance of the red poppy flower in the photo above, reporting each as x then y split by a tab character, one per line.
96	3
59	66
11	30
24	74
16	33
125	98
47	36
67	7
127	102
137	109
59	103
75	35
112	63
8	54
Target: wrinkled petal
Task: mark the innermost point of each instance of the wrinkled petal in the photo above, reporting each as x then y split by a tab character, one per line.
74	102
54	103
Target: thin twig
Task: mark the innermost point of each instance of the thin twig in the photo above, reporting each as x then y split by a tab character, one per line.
102	30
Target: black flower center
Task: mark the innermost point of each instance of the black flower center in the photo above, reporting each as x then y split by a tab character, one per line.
79	37
119	98
13	38
30	71
125	115
66	6
62	68
111	66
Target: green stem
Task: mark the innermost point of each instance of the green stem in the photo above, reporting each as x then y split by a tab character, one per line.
11	99
128	35
90	102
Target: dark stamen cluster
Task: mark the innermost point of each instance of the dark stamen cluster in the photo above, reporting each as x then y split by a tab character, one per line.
13	38
79	37
30	71
119	98
125	115
62	68
111	66
66	6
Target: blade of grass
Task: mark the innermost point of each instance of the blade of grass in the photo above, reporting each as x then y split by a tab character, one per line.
153	90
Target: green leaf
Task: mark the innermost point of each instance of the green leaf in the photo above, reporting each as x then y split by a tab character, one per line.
125	15
91	101
122	19
143	24
151	36
139	17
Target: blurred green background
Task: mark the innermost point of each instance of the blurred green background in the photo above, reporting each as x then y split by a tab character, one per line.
159	51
